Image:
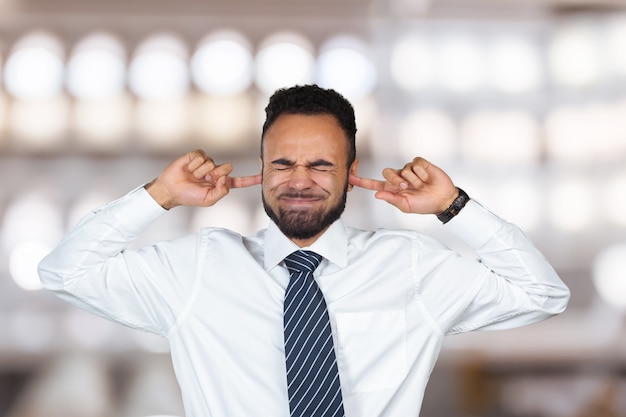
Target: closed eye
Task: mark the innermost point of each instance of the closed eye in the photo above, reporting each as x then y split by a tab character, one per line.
282	167
282	164
321	166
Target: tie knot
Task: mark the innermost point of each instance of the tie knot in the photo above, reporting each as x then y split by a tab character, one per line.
303	260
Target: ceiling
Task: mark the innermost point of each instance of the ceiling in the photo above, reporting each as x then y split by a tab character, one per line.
278	9
191	18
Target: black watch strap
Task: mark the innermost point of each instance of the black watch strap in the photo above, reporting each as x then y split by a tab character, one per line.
454	209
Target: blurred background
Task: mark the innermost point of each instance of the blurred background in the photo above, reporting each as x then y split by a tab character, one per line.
523	102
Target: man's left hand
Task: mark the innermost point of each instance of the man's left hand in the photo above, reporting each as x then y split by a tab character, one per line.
419	187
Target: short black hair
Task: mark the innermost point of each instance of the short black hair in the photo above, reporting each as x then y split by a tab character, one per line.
312	100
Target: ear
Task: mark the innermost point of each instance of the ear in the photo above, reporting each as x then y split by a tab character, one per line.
352	171
354	167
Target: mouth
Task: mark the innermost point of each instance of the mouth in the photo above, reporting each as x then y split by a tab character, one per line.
300	199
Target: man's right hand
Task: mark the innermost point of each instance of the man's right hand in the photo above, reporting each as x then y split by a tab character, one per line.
195	180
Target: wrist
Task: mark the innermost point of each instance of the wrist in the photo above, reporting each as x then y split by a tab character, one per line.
455	207
159	194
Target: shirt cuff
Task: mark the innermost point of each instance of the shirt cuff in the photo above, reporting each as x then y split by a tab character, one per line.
136	210
475	225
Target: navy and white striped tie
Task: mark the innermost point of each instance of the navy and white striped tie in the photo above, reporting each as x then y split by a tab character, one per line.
312	375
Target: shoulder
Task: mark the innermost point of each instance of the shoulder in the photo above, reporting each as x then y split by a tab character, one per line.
221	240
365	239
222	235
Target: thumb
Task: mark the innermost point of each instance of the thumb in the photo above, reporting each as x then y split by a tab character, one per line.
392	198
218	191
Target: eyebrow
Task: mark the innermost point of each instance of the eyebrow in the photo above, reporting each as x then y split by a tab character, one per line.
321	162
283	161
316	163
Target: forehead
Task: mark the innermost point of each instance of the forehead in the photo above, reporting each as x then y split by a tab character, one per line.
316	135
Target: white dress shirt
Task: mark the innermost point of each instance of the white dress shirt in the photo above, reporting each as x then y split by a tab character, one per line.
218	298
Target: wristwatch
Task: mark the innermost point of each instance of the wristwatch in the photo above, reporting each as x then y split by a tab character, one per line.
454	209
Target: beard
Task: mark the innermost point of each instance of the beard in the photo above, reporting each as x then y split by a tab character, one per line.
305	224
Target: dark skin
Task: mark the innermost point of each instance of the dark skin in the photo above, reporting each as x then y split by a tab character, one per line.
295	148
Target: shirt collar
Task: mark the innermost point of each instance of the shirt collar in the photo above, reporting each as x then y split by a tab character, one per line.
332	245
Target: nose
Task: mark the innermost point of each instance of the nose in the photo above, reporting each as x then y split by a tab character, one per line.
300	178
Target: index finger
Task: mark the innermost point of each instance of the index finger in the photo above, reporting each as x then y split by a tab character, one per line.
367	183
242	182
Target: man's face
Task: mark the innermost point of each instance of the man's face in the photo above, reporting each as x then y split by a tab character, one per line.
305	174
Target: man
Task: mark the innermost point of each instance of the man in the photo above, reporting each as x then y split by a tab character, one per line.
223	300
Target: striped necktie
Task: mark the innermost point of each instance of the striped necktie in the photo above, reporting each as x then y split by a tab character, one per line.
312	375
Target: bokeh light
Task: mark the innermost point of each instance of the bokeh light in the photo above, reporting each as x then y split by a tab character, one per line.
518	200
31	217
616	44
515	64
34	69
164	124
104	124
97	67
461	61
609	275
158	68
411	64
345	65
23	263
50	131
614	198
225	123
577	194
501	138
575	56
586	133
284	59
429	132
223	64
